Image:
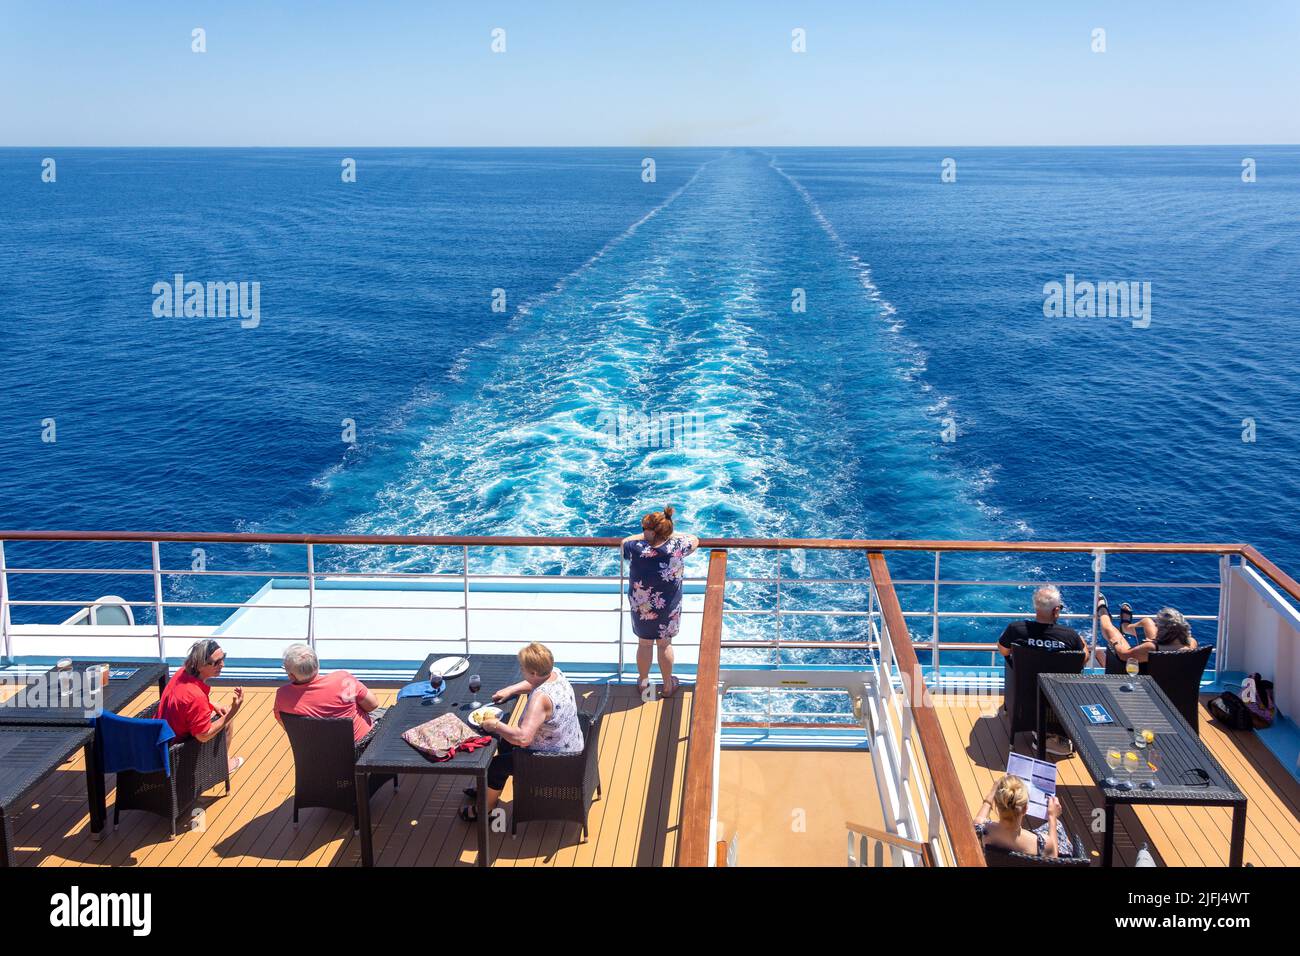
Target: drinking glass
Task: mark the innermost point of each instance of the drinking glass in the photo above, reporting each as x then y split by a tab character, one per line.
435	682
64	668
1131	669
475	682
1114	760
1131	762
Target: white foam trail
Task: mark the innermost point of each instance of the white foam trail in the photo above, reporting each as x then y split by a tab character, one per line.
916	356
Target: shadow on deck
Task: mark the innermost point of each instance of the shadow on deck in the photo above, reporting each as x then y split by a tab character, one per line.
634	823
976	734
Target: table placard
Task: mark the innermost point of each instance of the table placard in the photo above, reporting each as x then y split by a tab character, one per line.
1096	714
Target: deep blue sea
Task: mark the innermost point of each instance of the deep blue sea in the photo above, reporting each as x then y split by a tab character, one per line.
924	321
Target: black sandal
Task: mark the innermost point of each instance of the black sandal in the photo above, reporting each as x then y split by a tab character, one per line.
1102	606
1125	616
469	814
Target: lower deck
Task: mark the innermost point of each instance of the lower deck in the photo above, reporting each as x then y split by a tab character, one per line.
634	823
790	807
976	734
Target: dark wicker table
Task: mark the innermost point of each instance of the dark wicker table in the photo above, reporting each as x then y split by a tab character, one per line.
388	753
40	704
27	756
1186	772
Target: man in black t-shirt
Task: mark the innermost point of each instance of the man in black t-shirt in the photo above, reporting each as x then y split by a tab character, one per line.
1044	632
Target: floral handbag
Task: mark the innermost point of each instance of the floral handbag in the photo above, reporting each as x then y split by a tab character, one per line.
440	738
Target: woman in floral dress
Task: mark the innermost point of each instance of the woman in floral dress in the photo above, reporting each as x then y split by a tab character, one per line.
656	559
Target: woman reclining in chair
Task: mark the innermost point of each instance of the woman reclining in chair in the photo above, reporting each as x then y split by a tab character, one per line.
1167	631
1009	798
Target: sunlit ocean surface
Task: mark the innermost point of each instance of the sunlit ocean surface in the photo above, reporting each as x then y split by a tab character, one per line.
923	322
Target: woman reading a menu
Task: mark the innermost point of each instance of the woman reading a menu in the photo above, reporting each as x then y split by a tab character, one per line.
1008	801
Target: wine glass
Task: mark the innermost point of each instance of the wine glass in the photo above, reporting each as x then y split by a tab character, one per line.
1131	669
475	682
435	682
1114	760
1131	762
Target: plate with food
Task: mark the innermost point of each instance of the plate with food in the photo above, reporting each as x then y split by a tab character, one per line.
477	717
450	666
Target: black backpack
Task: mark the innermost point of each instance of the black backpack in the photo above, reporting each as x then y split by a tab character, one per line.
1230	710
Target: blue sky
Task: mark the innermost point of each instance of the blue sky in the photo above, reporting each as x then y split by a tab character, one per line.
83	73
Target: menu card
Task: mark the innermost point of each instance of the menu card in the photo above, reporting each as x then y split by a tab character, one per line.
1040	775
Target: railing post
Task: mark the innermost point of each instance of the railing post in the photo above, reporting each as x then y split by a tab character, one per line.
622	580
158	600
934	819
1225	605
311	597
778	617
934	638
465	577
4	606
1098	562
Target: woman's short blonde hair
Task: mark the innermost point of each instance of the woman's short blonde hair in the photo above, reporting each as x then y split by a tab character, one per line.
1010	797
537	659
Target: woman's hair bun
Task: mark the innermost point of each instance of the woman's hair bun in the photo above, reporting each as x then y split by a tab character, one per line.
659	524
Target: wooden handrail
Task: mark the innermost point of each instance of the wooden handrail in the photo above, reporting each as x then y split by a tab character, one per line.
812	544
1271	571
893	839
943	773
697	802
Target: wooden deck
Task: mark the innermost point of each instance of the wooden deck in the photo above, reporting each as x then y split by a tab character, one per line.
634	823
789	807
976	736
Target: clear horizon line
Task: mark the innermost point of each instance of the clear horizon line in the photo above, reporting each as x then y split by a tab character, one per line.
654	146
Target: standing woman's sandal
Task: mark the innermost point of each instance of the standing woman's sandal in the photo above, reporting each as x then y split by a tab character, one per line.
664	692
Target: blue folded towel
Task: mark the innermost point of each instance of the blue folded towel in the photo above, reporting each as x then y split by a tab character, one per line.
128	743
421	688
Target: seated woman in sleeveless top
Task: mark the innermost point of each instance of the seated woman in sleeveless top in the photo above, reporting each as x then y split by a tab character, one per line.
1009	799
1167	631
549	722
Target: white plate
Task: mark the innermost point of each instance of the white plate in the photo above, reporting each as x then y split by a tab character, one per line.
450	666
477	717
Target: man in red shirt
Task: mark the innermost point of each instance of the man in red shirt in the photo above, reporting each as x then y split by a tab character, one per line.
186	702
310	693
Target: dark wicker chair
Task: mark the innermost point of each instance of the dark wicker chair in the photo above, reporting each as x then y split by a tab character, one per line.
195	768
1020	694
324	763
997	856
559	786
1179	675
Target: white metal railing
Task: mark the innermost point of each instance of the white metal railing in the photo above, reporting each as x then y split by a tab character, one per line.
909	807
780	641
